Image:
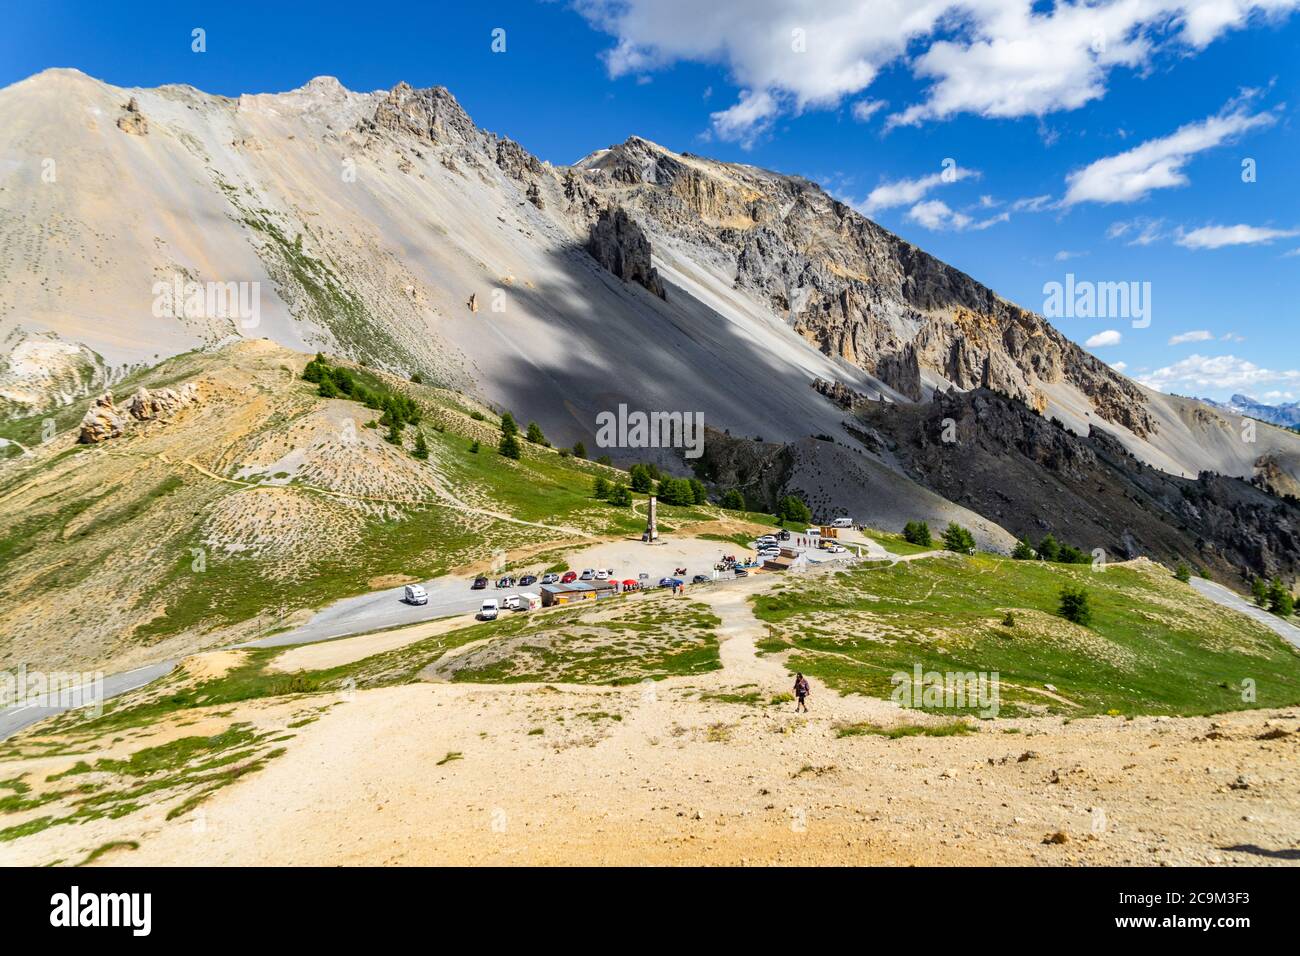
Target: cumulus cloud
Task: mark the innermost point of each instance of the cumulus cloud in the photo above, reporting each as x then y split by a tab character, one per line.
1216	237
993	58
900	192
1184	337
1200	373
1119	366
1104	339
863	110
747	120
1157	163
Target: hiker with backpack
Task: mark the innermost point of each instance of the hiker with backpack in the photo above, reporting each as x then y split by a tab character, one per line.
801	691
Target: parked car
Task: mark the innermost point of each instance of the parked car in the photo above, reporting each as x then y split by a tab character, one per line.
488	612
740	572
766	540
550	578
835	549
783	535
569	577
671	582
415	594
527	579
701	579
842	523
602	575
587	574
507	582
770	553
511	603
479	584
643	578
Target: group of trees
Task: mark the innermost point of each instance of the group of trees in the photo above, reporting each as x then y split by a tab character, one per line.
918	533
792	510
1049	549
1273	595
956	538
616	493
397	410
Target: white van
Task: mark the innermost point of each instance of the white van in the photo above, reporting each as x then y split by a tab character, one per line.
529	602
842	523
488	612
415	594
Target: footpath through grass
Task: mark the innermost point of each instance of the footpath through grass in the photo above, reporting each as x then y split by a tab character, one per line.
1154	645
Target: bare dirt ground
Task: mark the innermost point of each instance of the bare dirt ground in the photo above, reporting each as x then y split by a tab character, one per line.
673	773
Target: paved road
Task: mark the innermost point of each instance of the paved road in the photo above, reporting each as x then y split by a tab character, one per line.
15	718
1229	598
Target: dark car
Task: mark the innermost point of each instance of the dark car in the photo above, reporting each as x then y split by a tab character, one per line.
701	579
671	582
741	573
783	535
527	579
479	584
506	582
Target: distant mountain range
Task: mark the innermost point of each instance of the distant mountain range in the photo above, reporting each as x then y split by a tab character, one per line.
1287	415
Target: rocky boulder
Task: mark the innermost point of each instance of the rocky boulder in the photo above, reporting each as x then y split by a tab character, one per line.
102	421
162	403
620	245
132	120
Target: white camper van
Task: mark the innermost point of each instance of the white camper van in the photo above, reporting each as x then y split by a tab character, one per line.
842	523
488	612
415	594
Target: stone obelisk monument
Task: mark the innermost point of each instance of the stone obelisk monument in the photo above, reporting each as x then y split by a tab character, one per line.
651	524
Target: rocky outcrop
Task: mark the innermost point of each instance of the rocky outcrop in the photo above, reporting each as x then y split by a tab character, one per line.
161	404
620	245
840	394
432	115
101	422
132	120
999	458
852	288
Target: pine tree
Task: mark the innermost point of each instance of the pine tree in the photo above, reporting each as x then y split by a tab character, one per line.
620	495
1074	605
1182	572
509	446
733	500
1049	549
791	508
956	538
579	450
535	434
600	487
508	426
421	447
1024	551
1259	591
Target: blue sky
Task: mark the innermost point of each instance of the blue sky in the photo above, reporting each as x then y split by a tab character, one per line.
1104	139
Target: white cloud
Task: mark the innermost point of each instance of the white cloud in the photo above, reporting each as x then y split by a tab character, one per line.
1157	163
994	58
1199	373
1031	204
863	110
1184	337
747	120
1216	237
1066	255
900	192
1142	231
1119	366
1104	339
934	214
